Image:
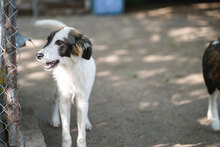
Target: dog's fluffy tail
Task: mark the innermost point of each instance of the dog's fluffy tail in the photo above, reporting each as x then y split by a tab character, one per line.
50	23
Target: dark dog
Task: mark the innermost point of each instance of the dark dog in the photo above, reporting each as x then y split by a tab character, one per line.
211	73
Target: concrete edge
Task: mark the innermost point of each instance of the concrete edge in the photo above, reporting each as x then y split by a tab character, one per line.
32	134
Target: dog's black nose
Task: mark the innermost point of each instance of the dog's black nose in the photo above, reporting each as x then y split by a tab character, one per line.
39	56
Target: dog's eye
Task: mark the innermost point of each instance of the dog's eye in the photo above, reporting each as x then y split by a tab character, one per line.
59	42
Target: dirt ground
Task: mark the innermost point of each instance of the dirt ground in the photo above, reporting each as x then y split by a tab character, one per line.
149	89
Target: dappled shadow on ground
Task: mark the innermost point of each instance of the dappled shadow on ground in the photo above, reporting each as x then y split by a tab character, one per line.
149	89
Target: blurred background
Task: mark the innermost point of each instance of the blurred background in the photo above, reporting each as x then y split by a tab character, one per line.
149	89
41	7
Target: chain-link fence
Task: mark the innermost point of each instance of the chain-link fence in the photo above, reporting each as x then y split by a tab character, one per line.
10	115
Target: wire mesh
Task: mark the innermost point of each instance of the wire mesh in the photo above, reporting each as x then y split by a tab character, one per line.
10	134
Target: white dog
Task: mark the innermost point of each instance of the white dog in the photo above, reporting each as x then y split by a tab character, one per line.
68	54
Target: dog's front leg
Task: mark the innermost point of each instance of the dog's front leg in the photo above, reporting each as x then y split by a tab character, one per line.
65	108
55	121
82	110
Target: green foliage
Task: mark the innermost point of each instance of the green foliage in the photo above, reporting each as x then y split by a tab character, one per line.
132	75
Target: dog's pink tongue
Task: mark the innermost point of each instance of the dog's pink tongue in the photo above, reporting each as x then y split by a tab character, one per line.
49	65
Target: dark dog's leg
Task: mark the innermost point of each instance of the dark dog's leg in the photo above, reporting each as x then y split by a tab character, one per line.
213	111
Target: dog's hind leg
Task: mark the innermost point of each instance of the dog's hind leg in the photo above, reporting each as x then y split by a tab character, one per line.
65	111
82	112
213	111
55	120
88	124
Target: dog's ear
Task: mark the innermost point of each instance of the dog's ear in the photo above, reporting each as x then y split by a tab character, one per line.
86	46
81	45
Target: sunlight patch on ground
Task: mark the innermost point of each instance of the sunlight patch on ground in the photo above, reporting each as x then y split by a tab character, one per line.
101	124
27	51
140	15
206	5
198	19
161	145
143	105
190	33
197	92
182	31
177	100
192	79
25	83
128	32
108	59
36	42
155	38
148	28
103	73
117	57
115	78
169	10
186	145
158	58
142	51
160	11
34	65
101	47
26	54
215	14
38	75
121	52
150	73
177	145
204	121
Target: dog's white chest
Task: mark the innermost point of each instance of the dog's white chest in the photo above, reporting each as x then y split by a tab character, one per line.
66	81
75	79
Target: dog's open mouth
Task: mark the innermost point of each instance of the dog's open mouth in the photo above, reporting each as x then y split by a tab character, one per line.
50	65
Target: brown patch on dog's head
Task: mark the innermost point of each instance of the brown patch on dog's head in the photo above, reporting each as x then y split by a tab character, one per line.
73	37
76	44
82	46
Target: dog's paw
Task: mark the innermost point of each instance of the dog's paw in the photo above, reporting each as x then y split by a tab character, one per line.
89	126
81	142
55	123
215	125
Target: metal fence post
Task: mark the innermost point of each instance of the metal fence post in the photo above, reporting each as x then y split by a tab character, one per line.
10	107
3	114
